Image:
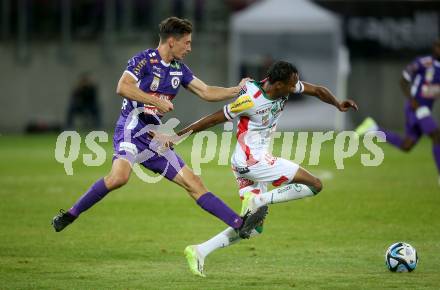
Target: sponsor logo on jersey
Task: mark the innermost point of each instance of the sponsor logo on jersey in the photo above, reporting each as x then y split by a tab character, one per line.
242	170
139	66
153	110
262	111
155	84
430	91
429	74
175	65
244	182
278	106
241	104
176	73
243	90
175	82
284	188
157	71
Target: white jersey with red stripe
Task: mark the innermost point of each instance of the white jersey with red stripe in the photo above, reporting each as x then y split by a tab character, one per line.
258	116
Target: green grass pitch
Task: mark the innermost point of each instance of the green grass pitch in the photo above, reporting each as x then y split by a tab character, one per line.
134	239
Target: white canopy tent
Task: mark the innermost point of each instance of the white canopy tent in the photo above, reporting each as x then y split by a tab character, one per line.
300	32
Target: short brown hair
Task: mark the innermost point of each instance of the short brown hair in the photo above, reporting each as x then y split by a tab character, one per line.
173	26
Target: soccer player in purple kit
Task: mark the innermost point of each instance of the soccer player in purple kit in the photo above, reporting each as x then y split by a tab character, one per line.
149	83
420	83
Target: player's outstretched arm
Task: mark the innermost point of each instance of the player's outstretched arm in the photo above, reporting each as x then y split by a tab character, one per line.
200	125
326	96
204	123
127	88
213	93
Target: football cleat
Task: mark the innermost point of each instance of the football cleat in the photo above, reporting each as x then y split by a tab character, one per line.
251	220
62	220
366	126
195	260
248	202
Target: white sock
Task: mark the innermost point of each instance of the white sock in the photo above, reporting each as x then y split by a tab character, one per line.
230	236
282	194
226	238
221	240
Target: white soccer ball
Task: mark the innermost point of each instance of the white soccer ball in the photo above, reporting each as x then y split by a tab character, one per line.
401	257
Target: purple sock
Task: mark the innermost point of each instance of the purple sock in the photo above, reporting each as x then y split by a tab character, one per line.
436	153
392	138
217	207
92	196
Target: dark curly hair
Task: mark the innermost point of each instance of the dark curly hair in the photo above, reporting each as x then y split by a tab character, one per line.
281	71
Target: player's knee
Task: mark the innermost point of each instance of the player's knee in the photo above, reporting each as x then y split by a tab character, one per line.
116	181
317	185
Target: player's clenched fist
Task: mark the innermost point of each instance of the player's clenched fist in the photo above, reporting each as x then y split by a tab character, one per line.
164	106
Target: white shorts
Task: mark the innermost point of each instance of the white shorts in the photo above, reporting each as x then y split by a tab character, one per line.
255	178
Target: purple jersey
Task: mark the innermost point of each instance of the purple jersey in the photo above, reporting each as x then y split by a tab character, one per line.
156	77
424	75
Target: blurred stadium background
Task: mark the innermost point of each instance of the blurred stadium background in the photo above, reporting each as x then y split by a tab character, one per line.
357	49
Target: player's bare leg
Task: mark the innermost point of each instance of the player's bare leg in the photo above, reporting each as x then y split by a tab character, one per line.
118	176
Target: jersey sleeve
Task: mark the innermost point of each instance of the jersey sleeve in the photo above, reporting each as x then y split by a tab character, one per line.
138	66
299	88
412	69
187	75
240	106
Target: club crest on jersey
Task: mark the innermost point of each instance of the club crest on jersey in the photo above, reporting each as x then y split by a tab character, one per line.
241	104
175	81
155	84
154	60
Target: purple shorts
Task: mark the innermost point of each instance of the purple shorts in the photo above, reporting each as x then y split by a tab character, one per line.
415	126
143	150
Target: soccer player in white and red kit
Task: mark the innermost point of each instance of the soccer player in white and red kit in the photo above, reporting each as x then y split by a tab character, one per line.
258	109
